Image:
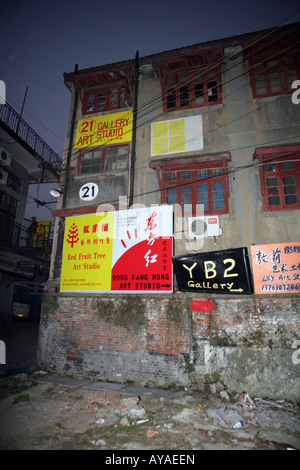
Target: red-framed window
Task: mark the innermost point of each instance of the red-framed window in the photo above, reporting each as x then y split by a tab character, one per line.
192	89
105	99
280	182
193	186
273	76
105	159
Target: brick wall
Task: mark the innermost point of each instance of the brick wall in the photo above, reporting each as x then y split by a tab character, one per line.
173	346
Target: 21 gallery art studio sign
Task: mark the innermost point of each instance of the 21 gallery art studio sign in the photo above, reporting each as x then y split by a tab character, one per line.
124	251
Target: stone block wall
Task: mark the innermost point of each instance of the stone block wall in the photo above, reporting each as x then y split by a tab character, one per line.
246	342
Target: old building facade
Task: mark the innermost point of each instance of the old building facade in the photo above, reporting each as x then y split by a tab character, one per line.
213	130
25	158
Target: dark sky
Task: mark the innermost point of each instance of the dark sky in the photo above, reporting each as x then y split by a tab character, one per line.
40	40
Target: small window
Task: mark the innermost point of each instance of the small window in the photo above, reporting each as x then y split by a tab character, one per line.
275	82
291	75
171	79
185	175
90	104
193	89
171	195
91	162
281	184
107	159
286	165
101	100
116	159
199	93
122	98
212	91
171	176
260	84
206	185
216	171
202	174
218	196
202	195
171	98
184	96
114	97
273	77
270	167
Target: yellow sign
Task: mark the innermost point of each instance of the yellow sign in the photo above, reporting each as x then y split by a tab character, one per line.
177	135
42	233
87	253
168	136
106	129
123	251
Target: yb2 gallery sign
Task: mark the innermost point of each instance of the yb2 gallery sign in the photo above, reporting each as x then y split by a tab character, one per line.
124	251
218	272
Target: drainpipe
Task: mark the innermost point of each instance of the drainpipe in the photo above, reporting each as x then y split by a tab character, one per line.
133	145
67	173
60	236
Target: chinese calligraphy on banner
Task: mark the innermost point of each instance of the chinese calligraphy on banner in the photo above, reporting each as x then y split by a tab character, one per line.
124	251
276	268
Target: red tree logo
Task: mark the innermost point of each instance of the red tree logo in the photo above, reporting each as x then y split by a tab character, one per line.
73	235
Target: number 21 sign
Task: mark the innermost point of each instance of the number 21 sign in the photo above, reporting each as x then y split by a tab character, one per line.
88	191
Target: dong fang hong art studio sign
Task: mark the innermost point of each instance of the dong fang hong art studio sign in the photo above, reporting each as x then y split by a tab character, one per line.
124	251
218	272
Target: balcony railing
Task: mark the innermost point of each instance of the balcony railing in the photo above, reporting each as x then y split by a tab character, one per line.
13	121
21	237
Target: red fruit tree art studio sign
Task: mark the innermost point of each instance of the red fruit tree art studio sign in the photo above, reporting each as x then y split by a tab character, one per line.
124	251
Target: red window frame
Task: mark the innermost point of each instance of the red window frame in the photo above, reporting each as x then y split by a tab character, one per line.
281	183
274	70
192	89
100	156
195	183
116	97
279	171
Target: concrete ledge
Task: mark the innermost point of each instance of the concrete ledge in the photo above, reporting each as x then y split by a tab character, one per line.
65	381
121	388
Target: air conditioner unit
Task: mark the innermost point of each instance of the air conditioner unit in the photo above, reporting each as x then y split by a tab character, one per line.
122	165
5	157
3	177
206	226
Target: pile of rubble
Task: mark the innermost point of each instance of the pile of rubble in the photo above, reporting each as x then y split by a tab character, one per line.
229	413
241	410
33	415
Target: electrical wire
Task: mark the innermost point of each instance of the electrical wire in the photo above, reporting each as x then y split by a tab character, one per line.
101	146
153	102
227	123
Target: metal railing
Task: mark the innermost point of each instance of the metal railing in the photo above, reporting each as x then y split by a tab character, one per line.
19	236
10	118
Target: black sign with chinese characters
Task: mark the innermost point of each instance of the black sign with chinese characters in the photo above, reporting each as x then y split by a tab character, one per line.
217	272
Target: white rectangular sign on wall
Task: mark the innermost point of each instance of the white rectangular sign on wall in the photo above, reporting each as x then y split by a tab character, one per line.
177	135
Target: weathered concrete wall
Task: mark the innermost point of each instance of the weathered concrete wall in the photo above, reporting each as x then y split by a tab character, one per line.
238	125
245	342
